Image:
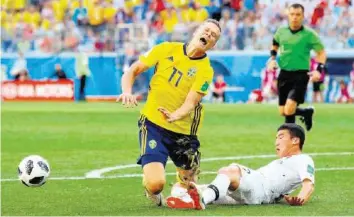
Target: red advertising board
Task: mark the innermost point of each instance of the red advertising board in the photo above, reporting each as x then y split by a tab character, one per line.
61	90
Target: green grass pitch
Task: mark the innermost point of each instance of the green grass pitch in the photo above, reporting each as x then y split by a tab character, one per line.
77	138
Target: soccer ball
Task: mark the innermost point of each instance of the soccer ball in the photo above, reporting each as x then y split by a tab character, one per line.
33	171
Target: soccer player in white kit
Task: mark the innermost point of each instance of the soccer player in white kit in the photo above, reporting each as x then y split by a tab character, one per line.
237	184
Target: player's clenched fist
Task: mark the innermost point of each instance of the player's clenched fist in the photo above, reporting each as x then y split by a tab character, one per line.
128	100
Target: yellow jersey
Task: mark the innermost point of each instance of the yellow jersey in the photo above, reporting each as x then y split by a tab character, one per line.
175	75
201	15
96	15
59	10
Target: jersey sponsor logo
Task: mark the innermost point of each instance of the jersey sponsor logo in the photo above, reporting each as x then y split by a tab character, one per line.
310	169
205	86
152	144
246	170
191	72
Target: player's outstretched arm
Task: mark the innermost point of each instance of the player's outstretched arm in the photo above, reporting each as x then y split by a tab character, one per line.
303	196
128	78
192	100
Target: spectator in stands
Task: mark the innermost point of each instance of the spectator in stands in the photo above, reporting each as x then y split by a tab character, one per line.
47	13
186	14
32	16
201	13
109	12
214	9
261	39
250	5
158	5
318	13
236	5
170	19
96	17
35	25
344	96
72	36
350	40
227	26
240	34
58	72
219	89
80	15
59	8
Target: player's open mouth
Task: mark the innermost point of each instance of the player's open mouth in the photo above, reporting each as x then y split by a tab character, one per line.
203	40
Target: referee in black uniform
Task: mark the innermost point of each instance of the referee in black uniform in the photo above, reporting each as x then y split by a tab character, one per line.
294	43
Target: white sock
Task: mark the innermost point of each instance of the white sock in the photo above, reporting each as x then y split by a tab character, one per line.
222	183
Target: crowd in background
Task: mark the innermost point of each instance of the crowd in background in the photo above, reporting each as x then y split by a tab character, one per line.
91	25
54	26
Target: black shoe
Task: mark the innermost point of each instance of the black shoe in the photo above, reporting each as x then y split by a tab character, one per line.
307	118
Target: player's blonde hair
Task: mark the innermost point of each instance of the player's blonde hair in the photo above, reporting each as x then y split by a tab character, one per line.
213	21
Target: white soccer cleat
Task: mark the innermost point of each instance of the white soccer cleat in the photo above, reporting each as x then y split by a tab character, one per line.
157	199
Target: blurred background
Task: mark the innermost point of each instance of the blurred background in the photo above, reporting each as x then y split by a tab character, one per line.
78	49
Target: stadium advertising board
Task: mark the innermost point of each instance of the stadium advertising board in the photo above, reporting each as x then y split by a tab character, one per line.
62	90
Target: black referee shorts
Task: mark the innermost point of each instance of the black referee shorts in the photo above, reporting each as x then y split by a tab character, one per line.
292	85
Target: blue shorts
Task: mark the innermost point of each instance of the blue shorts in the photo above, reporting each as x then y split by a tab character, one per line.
157	144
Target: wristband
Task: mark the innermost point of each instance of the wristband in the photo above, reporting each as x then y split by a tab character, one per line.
320	67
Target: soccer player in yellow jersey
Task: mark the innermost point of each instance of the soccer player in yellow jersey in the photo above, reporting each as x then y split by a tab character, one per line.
173	112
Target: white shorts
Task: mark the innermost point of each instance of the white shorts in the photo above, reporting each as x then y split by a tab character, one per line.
250	191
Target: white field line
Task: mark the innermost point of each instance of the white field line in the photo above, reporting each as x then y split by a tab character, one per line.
168	174
98	173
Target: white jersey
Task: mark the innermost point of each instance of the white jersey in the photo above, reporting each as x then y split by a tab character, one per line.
286	174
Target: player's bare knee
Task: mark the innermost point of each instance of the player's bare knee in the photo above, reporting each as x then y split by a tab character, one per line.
232	171
155	185
223	170
235	173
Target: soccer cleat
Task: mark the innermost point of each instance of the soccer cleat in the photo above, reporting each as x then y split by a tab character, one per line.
196	195
179	203
157	199
307	118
